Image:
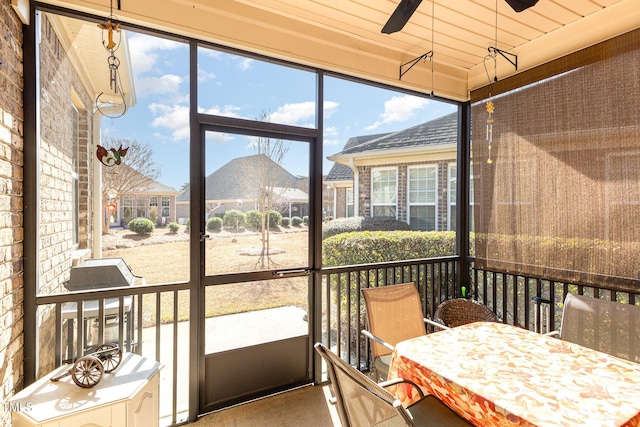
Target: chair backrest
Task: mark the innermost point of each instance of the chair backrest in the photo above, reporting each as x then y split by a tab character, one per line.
607	326
360	401
460	311
394	314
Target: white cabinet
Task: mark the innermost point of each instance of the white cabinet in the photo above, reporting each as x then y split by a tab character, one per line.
126	397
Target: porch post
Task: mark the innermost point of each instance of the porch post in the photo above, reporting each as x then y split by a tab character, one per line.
462	197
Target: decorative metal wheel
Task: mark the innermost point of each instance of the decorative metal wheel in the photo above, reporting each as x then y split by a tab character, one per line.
87	371
110	355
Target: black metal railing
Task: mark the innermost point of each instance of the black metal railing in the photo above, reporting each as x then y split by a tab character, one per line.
343	306
141	319
510	296
146	328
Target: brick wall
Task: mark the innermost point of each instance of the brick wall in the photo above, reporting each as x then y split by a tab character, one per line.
11	192
442	194
65	133
341	202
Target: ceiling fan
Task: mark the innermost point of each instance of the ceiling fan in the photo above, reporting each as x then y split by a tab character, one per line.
406	8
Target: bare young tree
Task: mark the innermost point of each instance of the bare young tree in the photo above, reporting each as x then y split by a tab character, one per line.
134	175
272	153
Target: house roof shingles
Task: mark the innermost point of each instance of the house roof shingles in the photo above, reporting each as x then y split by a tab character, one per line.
440	131
238	178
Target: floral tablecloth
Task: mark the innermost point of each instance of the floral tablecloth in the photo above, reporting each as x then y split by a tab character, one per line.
495	374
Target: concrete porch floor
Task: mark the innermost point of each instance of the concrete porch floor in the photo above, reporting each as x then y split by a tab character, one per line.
306	406
303	406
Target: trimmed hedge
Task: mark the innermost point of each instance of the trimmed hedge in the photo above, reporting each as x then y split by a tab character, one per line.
141	226
253	219
234	217
365	247
358	223
214	223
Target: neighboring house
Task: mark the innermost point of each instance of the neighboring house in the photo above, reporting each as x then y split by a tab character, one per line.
408	175
237	185
155	201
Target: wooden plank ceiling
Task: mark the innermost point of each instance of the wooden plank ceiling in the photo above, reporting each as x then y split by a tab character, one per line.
344	35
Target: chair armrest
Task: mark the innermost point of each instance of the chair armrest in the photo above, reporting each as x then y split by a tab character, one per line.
396	381
376	339
434	323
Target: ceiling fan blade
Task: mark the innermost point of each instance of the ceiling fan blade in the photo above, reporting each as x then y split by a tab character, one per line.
520	5
401	15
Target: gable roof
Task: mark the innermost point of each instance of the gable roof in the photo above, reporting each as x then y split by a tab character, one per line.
433	134
340	172
439	131
237	179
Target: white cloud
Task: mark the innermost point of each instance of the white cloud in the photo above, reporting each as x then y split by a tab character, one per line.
329	108
226	111
297	113
245	64
169	83
175	117
204	75
172	117
146	50
399	109
292	114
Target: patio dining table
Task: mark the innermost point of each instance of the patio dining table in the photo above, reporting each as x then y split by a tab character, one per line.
494	374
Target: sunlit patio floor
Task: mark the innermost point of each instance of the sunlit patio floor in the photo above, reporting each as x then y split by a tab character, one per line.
303	406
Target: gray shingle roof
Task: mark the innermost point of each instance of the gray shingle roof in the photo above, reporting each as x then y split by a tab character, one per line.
341	172
440	131
238	179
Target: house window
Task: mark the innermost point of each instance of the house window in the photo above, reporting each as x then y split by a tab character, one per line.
451	191
165	206
127	209
384	193
153	208
423	189
140	207
350	206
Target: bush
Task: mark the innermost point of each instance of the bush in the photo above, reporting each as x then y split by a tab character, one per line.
305	219
358	223
233	218
296	221
188	223
366	247
214	223
141	225
253	219
274	218
284	222
173	227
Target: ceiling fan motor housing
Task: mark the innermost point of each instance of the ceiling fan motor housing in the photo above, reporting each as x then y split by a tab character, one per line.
520	5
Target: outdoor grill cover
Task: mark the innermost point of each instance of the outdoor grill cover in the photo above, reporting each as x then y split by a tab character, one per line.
102	273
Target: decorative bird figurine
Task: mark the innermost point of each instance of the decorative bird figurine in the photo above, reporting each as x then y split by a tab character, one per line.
112	156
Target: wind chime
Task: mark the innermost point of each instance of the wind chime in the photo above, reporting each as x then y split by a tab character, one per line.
489	105
111	105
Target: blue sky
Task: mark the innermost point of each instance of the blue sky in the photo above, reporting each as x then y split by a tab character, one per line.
236	86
